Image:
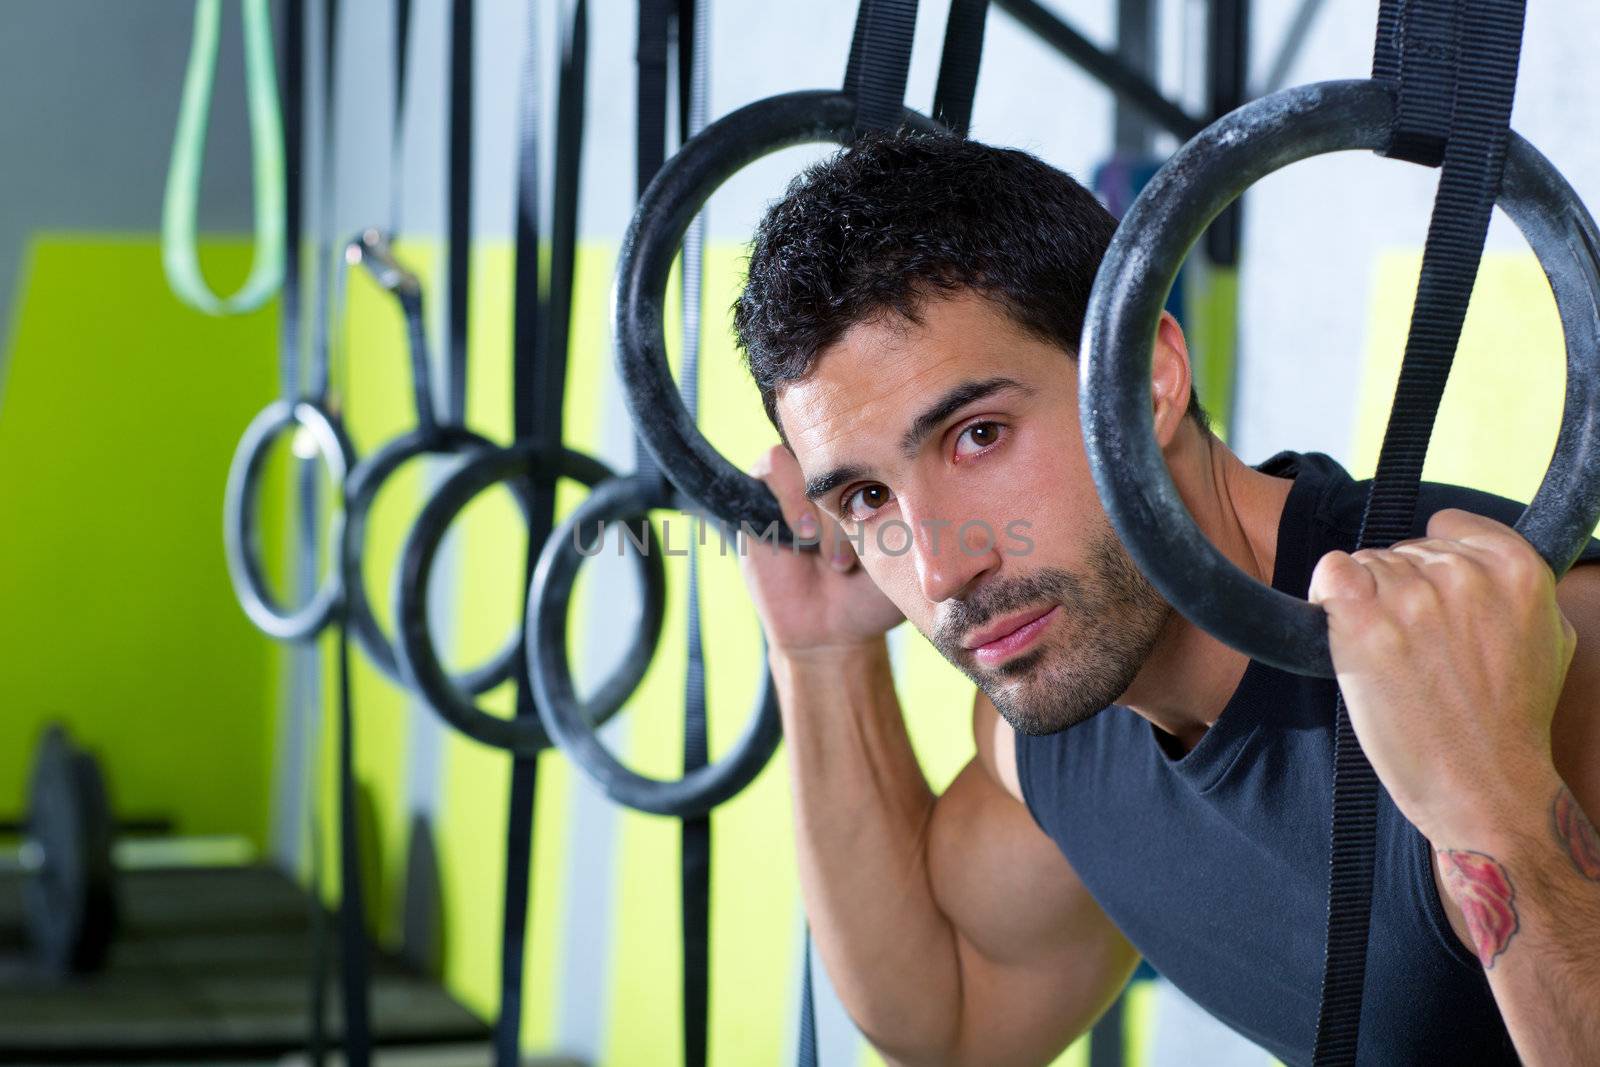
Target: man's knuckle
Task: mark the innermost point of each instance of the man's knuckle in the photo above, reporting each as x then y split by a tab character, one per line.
1415	601
1458	573
1523	570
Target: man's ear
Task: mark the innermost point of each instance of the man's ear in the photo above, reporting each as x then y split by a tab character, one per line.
1170	379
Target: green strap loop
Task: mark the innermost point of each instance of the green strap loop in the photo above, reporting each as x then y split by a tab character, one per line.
179	254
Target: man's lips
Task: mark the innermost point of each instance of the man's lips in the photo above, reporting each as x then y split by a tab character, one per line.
1006	637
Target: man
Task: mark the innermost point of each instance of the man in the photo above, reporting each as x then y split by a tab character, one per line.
910	317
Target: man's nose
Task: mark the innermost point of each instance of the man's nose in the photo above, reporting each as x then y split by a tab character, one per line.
950	554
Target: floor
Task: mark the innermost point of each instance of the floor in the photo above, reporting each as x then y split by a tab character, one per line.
209	965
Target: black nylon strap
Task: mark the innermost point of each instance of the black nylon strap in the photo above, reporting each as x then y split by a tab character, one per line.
402	55
880	59
458	200
696	847
685	28
537	372
693	57
651	132
353	972
1469	183
352	912
1227	61
294	106
533	403
696	844
540	336
1386	43
410	300
356	983
1426	34
294	123
321	341
958	64
654	46
650	144
1473	65
421	367
570	89
514	926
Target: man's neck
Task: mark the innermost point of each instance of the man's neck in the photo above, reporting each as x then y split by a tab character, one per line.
1190	676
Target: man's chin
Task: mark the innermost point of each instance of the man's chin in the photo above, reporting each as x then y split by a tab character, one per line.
1035	717
1038	697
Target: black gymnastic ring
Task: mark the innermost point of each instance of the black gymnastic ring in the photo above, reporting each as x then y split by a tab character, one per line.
1139	267
418	660
366	480
680	189
549	598
240	534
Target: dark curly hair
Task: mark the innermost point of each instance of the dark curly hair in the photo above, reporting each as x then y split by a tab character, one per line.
898	218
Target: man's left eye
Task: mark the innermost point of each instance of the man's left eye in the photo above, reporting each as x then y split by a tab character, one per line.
977	437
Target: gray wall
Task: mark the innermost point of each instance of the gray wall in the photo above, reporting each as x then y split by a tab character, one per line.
91	96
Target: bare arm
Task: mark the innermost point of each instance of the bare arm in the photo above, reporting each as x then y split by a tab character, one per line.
1471	693
952	927
1540	940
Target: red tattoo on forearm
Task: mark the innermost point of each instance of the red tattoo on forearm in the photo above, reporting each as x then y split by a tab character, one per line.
1483	889
1576	834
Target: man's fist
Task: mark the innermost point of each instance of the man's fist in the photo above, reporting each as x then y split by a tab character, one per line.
1451	653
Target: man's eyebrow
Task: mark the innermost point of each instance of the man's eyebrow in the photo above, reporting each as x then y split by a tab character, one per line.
951	402
824	484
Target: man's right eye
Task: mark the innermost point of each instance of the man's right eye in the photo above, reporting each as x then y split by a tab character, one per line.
859	504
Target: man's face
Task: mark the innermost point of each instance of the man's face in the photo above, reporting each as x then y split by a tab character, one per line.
951	450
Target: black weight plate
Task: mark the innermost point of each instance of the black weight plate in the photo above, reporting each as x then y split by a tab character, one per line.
68	902
99	834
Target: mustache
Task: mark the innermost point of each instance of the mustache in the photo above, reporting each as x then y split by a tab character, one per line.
1001	598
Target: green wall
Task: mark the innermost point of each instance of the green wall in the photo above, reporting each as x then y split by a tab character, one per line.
119	412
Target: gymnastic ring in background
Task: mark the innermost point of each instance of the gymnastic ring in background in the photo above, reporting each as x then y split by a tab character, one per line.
676	195
420	662
241	540
366	480
623	500
1201	179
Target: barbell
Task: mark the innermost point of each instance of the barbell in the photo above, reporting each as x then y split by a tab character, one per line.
71	852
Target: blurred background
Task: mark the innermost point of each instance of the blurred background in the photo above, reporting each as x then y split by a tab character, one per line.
120	408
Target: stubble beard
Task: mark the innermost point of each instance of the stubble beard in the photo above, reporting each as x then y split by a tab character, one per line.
1112	619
